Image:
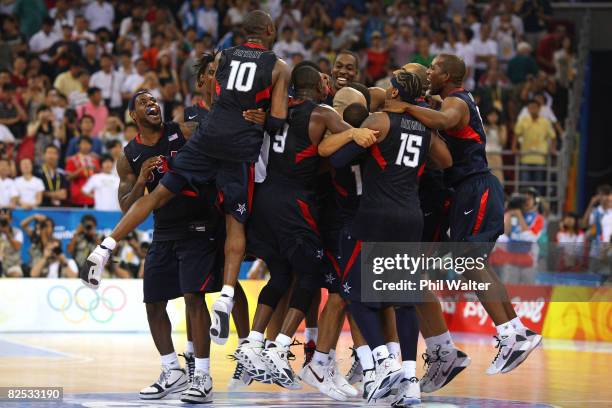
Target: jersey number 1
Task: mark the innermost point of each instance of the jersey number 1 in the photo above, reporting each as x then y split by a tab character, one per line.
241	76
409	151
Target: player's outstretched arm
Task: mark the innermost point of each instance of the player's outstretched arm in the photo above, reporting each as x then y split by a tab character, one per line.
377	123
439	156
448	117
132	187
342	133
281	76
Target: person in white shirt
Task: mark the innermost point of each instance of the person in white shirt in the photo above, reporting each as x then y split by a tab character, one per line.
287	46
136	26
63	16
438	45
485	49
135	80
465	50
43	40
29	187
81	34
108	81
8	191
103	187
100	14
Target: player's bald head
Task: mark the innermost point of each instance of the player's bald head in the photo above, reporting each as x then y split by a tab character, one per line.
347	96
305	78
453	66
354	114
257	22
419	70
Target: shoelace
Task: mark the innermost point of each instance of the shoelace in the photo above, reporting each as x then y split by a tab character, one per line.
499	347
238	372
165	374
190	364
198	381
430	360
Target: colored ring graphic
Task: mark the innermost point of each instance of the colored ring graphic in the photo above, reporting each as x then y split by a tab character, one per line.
68	298
63	302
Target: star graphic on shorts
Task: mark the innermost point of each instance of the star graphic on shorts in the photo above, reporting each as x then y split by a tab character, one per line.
346	287
319	253
241	208
329	278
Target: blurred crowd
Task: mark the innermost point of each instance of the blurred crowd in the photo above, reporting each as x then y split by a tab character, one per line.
69	67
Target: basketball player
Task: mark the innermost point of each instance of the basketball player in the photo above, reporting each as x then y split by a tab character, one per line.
477	209
283	230
388	212
184	254
247	77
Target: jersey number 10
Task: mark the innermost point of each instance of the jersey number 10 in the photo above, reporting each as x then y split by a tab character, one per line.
409	151
241	76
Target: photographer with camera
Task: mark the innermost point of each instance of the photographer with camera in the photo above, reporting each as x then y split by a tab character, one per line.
84	240
523	226
39	228
53	263
11	240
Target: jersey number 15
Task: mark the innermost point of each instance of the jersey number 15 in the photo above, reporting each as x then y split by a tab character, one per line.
409	151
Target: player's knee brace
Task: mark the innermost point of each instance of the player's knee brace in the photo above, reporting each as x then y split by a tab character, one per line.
270	295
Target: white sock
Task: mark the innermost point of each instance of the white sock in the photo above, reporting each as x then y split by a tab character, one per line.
332	355
283	340
505	329
256	336
320	358
170	360
241	340
228	291
202	364
394	349
409	368
311	333
189	347
364	354
109	243
442	340
380	352
518	324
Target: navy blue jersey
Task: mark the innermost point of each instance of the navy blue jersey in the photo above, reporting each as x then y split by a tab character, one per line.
173	220
244	81
196	113
466	145
390	200
348	187
293	156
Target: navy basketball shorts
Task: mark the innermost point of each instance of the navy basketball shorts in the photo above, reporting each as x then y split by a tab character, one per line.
174	268
435	205
234	180
477	211
330	274
350	267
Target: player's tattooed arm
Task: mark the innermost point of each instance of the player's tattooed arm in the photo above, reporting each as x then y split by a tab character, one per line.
439	156
188	128
342	133
132	187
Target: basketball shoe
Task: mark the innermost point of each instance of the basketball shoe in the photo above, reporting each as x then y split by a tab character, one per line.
442	365
341	382
355	373
409	393
249	355
201	389
512	350
309	349
240	378
321	377
369	377
219	326
388	373
189	364
170	380
276	358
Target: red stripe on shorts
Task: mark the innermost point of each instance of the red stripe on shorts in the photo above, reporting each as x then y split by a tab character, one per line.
333	261
351	261
251	186
308	216
481	211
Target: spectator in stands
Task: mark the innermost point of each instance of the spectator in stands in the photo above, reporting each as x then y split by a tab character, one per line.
29	187
492	92
339	37
8	191
79	98
11	240
288	45
189	71
545	112
106	80
591	220
115	151
569	230
96	109
62	49
84	127
91	63
423	56
521	66
113	130
505	34
100	13
63	15
439	45
536	138
42	41
547	48
102	187
485	50
18	75
12	114
466	51
11	35
79	168
54	263
130	132
135	27
565	63
497	136
84	240
45	129
68	81
404	46
377	59
135	80
535	14
53	178
81	33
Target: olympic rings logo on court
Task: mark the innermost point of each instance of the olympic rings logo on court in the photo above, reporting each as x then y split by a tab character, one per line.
77	305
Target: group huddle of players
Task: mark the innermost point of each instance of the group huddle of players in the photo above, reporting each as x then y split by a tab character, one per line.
306	168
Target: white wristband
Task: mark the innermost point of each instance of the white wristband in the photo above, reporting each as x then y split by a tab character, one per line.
109	243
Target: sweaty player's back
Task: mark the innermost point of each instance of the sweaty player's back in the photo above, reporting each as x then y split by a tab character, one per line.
244	81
